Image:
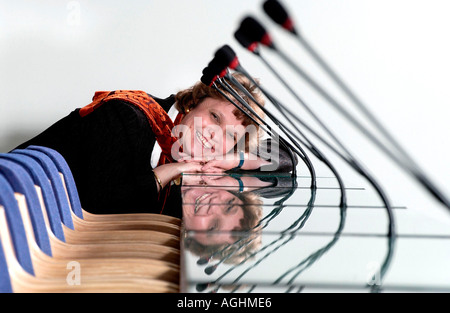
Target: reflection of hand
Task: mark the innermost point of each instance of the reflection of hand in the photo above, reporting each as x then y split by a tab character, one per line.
185	158
220	181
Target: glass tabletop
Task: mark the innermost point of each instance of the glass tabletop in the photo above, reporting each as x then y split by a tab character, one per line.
274	233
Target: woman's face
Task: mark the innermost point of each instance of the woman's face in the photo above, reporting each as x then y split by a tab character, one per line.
210	129
216	211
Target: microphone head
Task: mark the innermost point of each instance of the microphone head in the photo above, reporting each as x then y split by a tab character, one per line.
208	79
255	31
279	15
243	39
217	67
211	269
227	56
203	260
201	287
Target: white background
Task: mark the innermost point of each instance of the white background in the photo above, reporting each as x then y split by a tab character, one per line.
55	54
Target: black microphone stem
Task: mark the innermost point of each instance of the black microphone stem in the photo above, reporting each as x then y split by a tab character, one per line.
358	167
286	144
324	94
311	147
418	172
301	101
355	99
271	132
351	161
412	169
301	155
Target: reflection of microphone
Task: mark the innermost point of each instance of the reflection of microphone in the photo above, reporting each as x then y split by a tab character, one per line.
252	31
285	237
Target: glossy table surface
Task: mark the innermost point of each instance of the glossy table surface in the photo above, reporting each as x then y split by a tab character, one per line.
269	232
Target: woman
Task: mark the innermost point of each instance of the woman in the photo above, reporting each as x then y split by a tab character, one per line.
123	148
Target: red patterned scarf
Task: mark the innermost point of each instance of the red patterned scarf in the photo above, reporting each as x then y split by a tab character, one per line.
159	120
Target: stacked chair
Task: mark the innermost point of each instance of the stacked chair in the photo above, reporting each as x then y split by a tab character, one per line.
48	243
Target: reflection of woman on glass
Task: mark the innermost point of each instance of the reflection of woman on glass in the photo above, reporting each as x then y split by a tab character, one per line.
222	214
123	153
223	221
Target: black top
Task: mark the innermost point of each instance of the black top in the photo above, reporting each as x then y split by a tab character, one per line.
109	153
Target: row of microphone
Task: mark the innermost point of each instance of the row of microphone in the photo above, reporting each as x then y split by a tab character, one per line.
250	34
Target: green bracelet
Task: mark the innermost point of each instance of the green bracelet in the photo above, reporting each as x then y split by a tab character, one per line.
241	183
241	160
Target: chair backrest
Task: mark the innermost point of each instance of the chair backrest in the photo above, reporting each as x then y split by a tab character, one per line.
15	225
5	281
40	179
22	183
64	168
58	188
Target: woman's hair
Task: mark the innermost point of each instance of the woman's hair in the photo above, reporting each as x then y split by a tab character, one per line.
189	98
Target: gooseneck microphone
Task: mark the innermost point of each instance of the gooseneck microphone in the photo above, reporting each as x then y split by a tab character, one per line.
228	59
214	73
264	127
279	15
247	34
251	32
226	56
231	59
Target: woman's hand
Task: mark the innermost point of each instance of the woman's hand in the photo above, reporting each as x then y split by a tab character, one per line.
220	165
212	164
232	161
171	171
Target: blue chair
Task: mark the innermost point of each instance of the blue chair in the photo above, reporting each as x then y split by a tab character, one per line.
23	256
5	282
64	168
22	183
40	179
7	200
16	228
58	188
53	175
